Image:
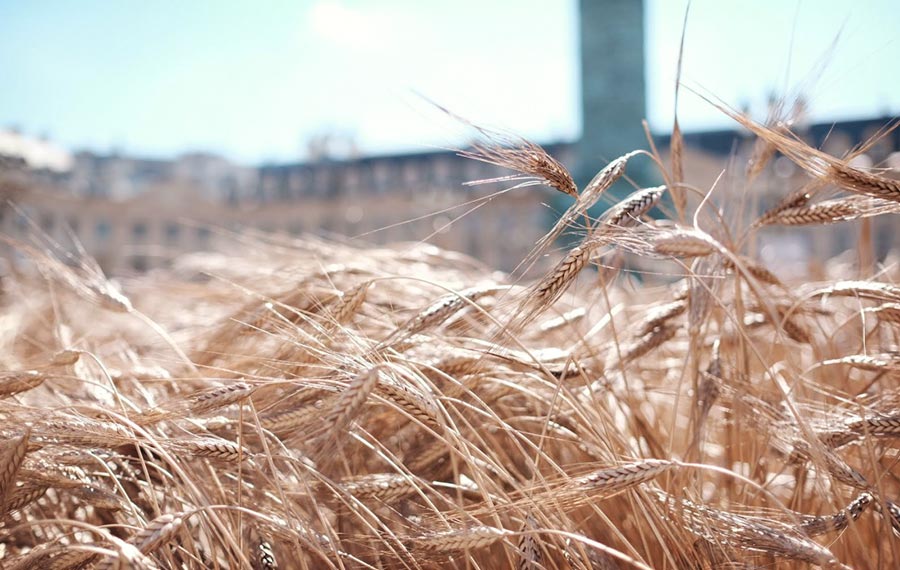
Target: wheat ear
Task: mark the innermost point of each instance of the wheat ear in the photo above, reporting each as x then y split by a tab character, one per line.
11	460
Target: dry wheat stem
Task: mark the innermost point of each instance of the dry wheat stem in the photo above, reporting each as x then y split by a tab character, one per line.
159	531
588	197
217	398
20	381
660	315
676	149
887	312
856	180
814	526
796	199
526	158
528	548
829	212
554	284
264	558
893	513
347	405
344	425
445	307
821	165
605	482
456	540
72	560
11	459
751	533
870	362
628	212
387	487
415	402
210	447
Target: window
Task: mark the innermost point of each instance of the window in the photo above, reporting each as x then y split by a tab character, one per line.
95	190
103	230
267	181
440	172
139	263
348	177
322	178
412	171
229	188
284	189
139	230
382	176
366	175
173	230
47	223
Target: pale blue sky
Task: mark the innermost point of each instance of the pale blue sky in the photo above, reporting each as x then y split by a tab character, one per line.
255	80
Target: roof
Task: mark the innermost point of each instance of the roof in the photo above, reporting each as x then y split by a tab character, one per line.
723	141
37	154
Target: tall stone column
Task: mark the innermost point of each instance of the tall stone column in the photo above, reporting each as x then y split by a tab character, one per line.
613	99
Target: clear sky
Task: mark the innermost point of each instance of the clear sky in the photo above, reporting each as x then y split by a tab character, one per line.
256	80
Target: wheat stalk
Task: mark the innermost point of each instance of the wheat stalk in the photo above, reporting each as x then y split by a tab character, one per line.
413	401
684	243
893	513
856	180
612	480
588	197
292	419
455	540
11	459
386	487
628	212
347	406
814	526
264	558
643	345
24	495
660	315
349	303
887	312
526	158
158	532
444	308
66	357
20	381
202	402
821	165
555	283
82	432
796	199
72	560
210	447
750	533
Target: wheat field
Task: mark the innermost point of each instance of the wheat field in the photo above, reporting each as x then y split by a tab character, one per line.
302	403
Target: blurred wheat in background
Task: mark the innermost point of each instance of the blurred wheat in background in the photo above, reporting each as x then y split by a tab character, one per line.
654	380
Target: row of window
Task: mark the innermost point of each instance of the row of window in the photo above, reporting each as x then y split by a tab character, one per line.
291	182
139	231
102	229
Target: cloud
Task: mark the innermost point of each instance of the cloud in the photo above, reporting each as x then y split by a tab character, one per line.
348	26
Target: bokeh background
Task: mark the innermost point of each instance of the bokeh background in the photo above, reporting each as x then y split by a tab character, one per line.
144	130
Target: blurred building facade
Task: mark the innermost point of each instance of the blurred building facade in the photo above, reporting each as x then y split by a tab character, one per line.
136	214
133	213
